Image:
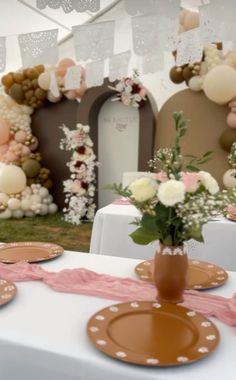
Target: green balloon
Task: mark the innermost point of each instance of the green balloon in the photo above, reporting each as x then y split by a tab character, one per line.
16	92
227	138
31	167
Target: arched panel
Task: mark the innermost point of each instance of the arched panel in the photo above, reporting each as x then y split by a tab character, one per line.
207	121
88	113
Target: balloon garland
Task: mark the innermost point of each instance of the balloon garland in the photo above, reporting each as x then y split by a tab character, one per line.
24	182
215	75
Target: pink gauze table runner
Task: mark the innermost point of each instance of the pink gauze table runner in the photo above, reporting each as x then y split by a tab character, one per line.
87	282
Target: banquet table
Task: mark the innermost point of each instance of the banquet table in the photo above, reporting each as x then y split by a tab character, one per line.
43	333
112	226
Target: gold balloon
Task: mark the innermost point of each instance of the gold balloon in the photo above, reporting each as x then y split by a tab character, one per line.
176	75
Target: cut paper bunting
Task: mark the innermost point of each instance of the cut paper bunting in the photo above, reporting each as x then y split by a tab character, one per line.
94	41
70	5
72	77
39	47
118	65
2	53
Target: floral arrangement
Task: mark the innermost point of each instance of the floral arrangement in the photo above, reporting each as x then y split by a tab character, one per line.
131	91
80	187
180	200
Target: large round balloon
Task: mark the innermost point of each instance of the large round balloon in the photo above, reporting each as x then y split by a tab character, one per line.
220	84
4	131
12	179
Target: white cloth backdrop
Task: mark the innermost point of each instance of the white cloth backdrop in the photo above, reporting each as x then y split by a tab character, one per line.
111	229
43	333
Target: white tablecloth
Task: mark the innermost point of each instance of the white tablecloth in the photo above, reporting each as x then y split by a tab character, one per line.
43	336
111	229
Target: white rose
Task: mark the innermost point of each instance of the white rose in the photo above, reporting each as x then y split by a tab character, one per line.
171	192
143	189
209	182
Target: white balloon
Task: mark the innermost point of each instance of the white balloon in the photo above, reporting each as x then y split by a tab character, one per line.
52	208
35	198
228	178
43	192
6	214
18	214
29	214
44	210
25	204
14	204
12	179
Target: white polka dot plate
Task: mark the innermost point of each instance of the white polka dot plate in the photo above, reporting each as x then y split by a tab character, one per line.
7	291
152	333
31	252
201	275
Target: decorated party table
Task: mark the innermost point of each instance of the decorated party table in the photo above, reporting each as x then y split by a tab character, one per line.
112	226
43	332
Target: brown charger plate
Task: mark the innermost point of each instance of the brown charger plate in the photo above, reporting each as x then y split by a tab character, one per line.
201	275
28	251
7	291
151	333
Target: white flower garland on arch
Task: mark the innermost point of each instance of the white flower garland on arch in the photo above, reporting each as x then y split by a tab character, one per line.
80	187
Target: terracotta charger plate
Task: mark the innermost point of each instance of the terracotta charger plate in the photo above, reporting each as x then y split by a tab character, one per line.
152	333
7	291
29	251
201	275
231	217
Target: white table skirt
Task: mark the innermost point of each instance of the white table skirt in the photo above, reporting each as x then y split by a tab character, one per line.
112	226
43	333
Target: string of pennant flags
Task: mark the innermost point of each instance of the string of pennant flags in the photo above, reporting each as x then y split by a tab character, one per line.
152	35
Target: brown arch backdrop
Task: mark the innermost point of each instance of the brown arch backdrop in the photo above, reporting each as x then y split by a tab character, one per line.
207	122
46	120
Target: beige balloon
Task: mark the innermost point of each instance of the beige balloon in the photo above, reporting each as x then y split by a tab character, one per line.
228	178
195	83
12	179
220	84
44	80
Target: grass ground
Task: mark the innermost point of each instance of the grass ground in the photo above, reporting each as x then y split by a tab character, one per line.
50	228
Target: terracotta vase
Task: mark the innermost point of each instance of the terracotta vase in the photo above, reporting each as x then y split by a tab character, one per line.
170	273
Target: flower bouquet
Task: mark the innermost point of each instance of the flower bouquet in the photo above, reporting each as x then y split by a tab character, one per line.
131	91
175	205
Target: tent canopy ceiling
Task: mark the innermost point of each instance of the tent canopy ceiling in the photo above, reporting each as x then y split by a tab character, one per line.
22	16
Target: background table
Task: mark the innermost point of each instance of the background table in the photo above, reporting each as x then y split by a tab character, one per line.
43	333
112	226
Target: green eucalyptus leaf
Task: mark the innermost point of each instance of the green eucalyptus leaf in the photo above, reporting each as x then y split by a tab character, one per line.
143	237
192	168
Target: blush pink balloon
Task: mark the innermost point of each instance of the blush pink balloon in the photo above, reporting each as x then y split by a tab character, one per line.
35	145
232	103
20	136
4	149
11	157
231	120
71	94
63	65
25	151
